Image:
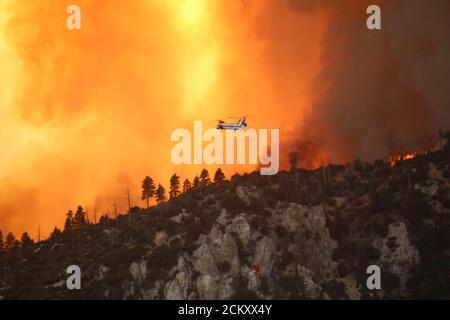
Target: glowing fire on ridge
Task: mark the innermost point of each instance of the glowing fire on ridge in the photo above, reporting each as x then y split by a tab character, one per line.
399	157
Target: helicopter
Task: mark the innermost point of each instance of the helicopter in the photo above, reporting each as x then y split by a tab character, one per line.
222	125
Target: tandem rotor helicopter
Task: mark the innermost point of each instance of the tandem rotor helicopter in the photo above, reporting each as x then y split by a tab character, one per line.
241	124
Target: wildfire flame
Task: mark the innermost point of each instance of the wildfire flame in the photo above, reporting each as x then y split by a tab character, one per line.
399	157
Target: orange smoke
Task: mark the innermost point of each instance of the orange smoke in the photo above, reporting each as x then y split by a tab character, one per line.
87	114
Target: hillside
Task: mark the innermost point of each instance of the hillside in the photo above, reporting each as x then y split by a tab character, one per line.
299	234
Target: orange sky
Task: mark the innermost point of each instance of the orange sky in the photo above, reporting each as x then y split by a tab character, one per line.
86	114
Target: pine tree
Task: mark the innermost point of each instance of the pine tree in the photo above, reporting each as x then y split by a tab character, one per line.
204	177
186	185
294	158
11	242
26	240
79	218
55	234
219	177
174	186
160	194
196	182
148	189
2	243
68	225
103	220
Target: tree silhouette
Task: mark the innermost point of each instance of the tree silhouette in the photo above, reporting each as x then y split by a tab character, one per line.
186	185
160	193
148	189
204	177
103	219
55	234
174	186
79	219
68	225
11	242
219	177
2	243
391	142
196	182
294	158
26	240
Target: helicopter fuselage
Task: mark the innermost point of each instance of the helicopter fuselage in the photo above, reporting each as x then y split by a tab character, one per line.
242	123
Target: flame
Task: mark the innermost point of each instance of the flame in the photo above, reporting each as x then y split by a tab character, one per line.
401	157
407	156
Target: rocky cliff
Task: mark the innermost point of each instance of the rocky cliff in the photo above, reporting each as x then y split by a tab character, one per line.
302	234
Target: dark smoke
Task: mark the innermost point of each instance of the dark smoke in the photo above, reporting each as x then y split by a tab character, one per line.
373	82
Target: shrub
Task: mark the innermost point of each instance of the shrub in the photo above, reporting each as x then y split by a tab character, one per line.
280	231
358	165
270	199
390	281
260	223
342	268
193	229
335	289
380	200
241	291
293	286
223	266
286	258
331	202
232	203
